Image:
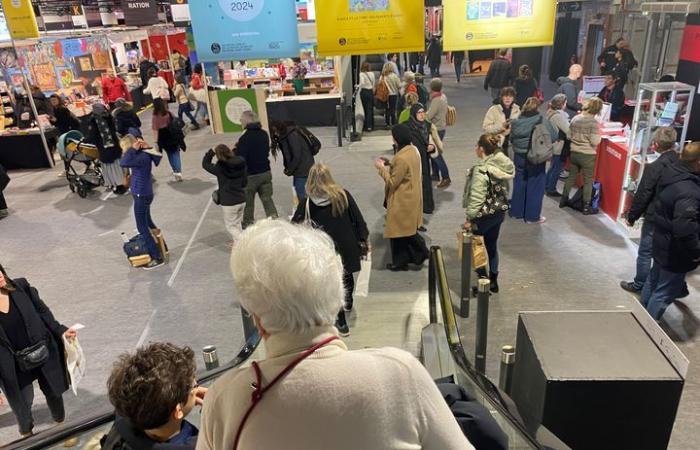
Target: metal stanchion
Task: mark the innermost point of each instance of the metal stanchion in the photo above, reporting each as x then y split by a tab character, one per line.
338	121
466	288
482	324
248	324
432	286
211	359
505	376
342	117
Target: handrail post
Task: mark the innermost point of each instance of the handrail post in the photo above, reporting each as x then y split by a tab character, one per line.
248	324
211	359
339	123
432	285
482	324
505	376
465	291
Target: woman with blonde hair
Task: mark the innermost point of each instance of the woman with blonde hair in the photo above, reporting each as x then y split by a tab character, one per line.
585	138
393	83
331	208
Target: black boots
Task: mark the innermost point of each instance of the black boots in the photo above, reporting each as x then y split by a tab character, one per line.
494	282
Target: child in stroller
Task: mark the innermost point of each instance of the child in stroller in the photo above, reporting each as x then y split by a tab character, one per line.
73	150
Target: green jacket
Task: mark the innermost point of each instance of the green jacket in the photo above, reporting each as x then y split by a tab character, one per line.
499	168
405	115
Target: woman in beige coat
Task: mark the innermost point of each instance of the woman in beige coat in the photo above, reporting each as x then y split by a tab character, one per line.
404	202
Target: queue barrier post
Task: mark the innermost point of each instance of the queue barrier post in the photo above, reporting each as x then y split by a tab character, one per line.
482	323
466	287
505	376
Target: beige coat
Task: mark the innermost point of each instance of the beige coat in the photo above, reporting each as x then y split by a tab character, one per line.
495	119
336	399
404	194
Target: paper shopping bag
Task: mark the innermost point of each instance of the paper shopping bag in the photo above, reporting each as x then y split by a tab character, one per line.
479	256
362	285
75	362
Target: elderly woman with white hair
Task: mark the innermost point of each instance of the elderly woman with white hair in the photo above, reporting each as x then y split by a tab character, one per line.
311	392
559	120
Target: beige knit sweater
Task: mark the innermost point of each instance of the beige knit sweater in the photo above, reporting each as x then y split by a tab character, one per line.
336	399
585	135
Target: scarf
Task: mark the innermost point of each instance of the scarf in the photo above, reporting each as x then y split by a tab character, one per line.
100	115
420	129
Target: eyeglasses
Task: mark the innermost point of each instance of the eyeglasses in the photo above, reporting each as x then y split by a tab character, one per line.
194	386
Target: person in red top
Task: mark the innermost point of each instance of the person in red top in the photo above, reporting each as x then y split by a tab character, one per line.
113	88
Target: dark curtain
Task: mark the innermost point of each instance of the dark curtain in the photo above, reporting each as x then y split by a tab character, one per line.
565	45
532	56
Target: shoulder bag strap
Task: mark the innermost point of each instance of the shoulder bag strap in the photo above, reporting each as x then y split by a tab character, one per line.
259	391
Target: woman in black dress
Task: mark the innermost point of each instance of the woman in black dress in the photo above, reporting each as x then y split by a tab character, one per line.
420	137
25	323
331	208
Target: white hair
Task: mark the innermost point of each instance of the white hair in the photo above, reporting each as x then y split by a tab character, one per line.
290	276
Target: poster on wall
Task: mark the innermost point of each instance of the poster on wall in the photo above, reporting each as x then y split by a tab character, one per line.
19	15
355	27
180	11
140	12
232	103
252	29
487	24
100	60
45	77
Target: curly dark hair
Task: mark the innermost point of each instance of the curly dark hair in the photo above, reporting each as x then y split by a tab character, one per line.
145	387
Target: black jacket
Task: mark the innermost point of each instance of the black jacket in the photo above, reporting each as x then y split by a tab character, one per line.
297	154
676	245
65	120
40	324
643	202
346	230
107	154
124	436
254	147
616	98
126	119
231	175
500	74
608	57
524	89
144	66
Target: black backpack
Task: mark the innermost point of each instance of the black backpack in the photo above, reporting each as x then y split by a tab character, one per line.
114	441
177	131
312	141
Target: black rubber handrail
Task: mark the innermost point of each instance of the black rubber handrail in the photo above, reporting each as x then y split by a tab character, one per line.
68	430
499	400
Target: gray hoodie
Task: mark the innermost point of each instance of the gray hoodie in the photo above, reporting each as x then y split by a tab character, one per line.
568	87
496	168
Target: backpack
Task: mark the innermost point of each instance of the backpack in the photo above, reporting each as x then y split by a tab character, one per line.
451	115
576	201
382	92
176	128
114	441
312	141
423	95
541	145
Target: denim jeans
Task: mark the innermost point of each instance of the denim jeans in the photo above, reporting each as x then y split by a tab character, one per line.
528	189
202	106
144	223
660	289
174	160
299	184
490	227
439	165
186	109
644	255
553	174
390	113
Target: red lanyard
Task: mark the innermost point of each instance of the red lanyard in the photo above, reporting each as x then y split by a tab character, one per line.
259	390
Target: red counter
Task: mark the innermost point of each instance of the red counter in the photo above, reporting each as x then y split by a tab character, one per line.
610	172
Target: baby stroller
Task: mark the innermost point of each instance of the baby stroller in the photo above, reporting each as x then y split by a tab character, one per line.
73	150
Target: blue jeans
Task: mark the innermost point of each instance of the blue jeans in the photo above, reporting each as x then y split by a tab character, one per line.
528	189
644	255
660	289
202	106
439	165
490	227
144	223
553	174
299	184
186	109
174	160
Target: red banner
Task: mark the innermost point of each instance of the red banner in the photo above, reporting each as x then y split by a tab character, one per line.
690	45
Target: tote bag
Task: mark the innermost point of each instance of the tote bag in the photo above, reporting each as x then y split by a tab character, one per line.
362	284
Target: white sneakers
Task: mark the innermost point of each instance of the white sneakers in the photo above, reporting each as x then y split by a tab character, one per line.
178	176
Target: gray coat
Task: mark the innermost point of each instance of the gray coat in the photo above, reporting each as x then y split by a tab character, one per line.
521	130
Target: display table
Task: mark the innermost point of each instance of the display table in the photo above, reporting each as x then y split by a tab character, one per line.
26	151
307	110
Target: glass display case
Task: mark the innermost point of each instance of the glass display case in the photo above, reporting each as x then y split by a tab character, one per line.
657	105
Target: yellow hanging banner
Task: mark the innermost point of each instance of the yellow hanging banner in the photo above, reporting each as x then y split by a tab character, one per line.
359	27
485	24
21	22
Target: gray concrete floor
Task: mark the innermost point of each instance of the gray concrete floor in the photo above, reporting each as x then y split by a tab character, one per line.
71	251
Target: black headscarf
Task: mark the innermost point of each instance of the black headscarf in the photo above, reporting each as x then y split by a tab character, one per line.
402	135
419	130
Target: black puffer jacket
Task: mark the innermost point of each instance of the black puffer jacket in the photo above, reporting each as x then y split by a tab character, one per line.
676	245
254	147
231	175
643	202
297	154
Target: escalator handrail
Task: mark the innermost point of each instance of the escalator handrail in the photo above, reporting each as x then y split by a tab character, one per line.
66	431
496	398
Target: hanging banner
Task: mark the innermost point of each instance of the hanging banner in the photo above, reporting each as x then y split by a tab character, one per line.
140	12
227	30
357	27
481	24
21	22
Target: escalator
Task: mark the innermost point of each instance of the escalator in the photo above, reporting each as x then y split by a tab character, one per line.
449	353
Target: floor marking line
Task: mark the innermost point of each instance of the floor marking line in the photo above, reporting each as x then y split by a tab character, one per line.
105	233
146	329
108	196
189	244
93	211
